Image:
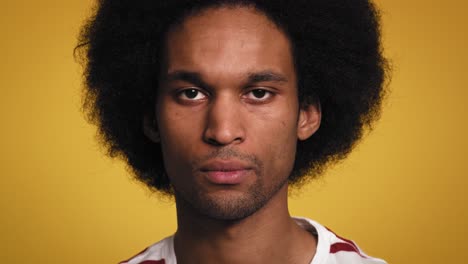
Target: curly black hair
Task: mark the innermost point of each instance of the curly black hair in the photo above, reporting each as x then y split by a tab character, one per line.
336	48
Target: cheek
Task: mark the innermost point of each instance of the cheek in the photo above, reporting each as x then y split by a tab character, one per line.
176	125
178	131
284	148
278	136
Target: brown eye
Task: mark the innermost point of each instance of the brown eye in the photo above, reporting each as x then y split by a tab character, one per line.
192	94
259	93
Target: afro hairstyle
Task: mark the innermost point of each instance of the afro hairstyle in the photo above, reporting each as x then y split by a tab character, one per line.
338	60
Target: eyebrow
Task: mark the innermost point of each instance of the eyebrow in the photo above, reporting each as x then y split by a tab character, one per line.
197	79
187	76
266	76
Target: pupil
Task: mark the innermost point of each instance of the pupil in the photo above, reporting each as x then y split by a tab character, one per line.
259	93
192	93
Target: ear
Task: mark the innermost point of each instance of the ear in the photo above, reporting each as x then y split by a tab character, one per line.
150	129
310	116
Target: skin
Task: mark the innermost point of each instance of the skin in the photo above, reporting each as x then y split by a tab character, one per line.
228	101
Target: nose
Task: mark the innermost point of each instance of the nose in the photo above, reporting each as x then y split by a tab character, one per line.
224	124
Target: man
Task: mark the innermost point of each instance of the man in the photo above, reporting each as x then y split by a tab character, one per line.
225	104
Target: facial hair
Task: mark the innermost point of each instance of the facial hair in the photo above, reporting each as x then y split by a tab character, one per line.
230	207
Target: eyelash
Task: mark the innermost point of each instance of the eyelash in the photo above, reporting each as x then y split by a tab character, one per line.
267	94
182	93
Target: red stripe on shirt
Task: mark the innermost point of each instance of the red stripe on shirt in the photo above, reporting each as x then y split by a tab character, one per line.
125	261
348	246
344	239
337	247
153	262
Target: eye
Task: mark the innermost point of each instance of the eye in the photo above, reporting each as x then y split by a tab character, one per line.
191	94
259	95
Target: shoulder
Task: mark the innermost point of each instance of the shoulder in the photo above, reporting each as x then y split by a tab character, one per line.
161	252
334	249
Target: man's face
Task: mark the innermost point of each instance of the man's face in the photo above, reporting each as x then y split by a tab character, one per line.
227	112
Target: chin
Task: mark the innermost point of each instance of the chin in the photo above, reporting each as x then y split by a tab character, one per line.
226	205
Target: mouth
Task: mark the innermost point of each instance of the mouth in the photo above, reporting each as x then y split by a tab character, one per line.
222	172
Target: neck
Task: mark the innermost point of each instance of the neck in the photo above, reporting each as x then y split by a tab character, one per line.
267	236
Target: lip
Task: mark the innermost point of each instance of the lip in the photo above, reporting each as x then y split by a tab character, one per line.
226	172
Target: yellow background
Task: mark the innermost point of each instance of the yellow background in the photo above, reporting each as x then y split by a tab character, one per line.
400	195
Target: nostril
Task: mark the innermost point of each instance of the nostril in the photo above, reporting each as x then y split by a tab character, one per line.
223	127
214	142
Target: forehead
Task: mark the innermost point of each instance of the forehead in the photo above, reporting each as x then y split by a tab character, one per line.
228	40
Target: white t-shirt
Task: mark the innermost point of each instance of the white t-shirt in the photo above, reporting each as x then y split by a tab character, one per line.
331	249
